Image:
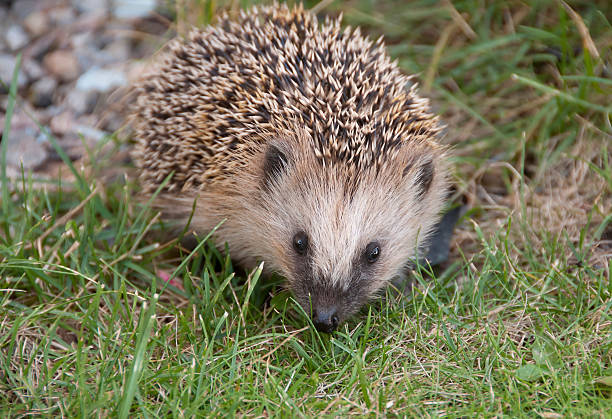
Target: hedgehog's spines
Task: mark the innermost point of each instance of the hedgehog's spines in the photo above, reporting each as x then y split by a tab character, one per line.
274	68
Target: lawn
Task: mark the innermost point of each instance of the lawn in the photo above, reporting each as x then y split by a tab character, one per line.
102	313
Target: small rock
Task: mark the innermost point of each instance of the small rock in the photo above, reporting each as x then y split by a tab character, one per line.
111	122
119	51
91	6
3	14
22	8
72	144
61	15
90	132
47	114
63	64
7	66
25	147
41	93
16	38
132	9
32	69
85	49
96	55
82	40
37	23
81	101
38	48
53	111
101	79
62	123
25	144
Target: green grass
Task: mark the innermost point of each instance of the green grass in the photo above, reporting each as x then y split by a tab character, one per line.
518	324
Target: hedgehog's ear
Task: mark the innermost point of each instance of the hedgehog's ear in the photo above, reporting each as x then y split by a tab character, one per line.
421	172
275	164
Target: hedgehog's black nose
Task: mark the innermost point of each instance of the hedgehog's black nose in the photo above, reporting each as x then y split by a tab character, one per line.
325	319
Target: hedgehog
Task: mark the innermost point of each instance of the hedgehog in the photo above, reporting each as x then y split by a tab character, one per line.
304	143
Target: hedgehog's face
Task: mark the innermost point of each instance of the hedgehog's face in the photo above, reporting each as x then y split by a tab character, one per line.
340	240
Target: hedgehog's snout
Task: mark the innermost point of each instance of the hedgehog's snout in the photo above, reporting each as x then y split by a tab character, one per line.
325	319
328	306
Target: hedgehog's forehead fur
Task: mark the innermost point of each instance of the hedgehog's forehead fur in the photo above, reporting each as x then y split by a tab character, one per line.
341	216
272	70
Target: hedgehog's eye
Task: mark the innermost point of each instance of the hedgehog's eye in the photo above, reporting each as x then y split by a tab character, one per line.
372	252
300	242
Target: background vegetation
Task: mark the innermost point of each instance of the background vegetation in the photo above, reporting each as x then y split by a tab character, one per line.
101	315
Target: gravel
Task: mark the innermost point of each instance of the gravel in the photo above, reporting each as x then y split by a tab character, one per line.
77	55
91	6
130	9
16	37
7	66
41	92
26	144
22	8
101	79
37	23
62	64
82	102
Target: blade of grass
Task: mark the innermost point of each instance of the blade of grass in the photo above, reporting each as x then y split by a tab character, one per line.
138	364
5	137
563	95
252	282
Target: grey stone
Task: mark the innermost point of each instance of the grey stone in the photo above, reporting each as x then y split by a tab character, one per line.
62	15
112	122
90	132
7	66
117	51
3	14
62	123
42	91
90	59
32	69
25	144
16	38
132	9
26	147
51	112
82	40
91	6
101	79
81	101
91	51
22	8
40	46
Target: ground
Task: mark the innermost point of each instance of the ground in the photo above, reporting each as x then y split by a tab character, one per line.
103	314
